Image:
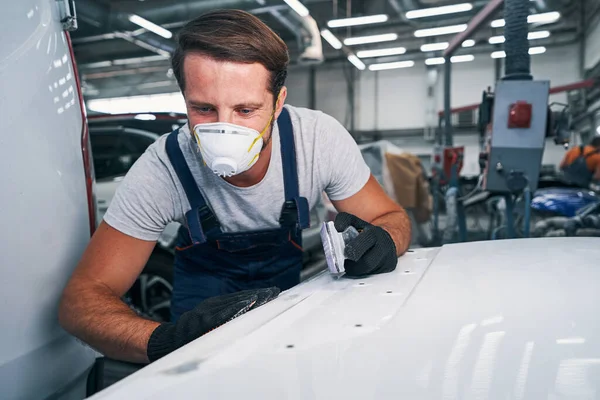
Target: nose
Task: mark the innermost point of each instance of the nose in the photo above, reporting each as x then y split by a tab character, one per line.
225	116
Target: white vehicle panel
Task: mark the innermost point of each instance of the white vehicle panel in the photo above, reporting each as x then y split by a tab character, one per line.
512	319
44	208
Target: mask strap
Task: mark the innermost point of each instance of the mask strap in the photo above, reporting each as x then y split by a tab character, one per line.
266	127
198	141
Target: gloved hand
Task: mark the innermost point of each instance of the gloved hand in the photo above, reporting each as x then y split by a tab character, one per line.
372	252
595	186
208	315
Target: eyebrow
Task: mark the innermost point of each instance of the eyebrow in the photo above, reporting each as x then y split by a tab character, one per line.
239	105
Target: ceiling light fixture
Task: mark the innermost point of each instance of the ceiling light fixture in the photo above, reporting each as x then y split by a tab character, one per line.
537	50
464	58
151	26
393	51
468	43
532	51
356	62
355	21
530	36
429	12
444	30
331	39
300	9
543	18
435	61
434	46
391	65
386	37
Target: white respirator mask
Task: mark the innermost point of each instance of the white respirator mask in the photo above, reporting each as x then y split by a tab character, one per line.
229	149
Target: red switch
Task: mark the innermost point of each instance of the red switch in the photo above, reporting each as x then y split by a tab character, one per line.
519	115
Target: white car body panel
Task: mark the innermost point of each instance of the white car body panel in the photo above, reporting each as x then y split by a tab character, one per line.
43	207
512	319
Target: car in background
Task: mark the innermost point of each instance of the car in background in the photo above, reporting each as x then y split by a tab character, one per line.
47	204
117	142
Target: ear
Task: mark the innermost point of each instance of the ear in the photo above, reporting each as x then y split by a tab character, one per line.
280	102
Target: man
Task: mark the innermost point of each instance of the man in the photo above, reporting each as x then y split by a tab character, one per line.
241	176
581	165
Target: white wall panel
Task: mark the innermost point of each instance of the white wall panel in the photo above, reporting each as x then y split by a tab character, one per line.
332	93
468	81
298	86
402	96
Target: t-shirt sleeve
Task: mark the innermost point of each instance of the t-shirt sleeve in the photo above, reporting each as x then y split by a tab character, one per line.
342	167
144	201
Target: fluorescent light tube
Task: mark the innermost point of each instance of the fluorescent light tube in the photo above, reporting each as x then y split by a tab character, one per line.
386	37
459	59
435	61
530	36
331	39
393	51
391	65
537	50
543	18
538	35
468	43
496	39
356	61
369	19
444	30
532	51
151	26
298	7
429	12
434	46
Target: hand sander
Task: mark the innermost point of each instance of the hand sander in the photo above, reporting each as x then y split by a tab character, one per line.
334	243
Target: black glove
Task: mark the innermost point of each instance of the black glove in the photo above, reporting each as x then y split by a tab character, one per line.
208	315
372	252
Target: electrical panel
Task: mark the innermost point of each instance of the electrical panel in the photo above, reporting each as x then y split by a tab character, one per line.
516	144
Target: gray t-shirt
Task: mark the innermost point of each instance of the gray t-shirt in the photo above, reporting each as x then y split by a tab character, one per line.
151	196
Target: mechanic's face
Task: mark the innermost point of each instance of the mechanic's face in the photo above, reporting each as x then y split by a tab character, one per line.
237	93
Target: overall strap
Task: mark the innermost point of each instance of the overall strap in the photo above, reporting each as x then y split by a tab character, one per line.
295	208
200	219
183	171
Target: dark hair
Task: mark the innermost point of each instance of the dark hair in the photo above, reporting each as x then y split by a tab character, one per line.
595	141
235	36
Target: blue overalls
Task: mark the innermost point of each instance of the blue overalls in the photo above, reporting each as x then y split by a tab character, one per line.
210	263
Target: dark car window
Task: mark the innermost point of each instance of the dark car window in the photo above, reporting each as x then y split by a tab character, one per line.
137	143
115	152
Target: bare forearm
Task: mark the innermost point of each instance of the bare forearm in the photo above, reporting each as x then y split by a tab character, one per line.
397	224
98	317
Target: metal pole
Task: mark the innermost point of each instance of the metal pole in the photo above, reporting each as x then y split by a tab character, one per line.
497	69
510	225
312	88
582	41
447	108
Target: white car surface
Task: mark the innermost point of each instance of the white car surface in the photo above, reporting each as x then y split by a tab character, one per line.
510	319
46	211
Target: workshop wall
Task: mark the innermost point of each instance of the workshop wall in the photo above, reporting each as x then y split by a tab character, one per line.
592	45
396	99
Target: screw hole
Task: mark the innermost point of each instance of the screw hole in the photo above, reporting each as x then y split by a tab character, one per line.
407	271
389	291
361	284
410	251
290	346
358	325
